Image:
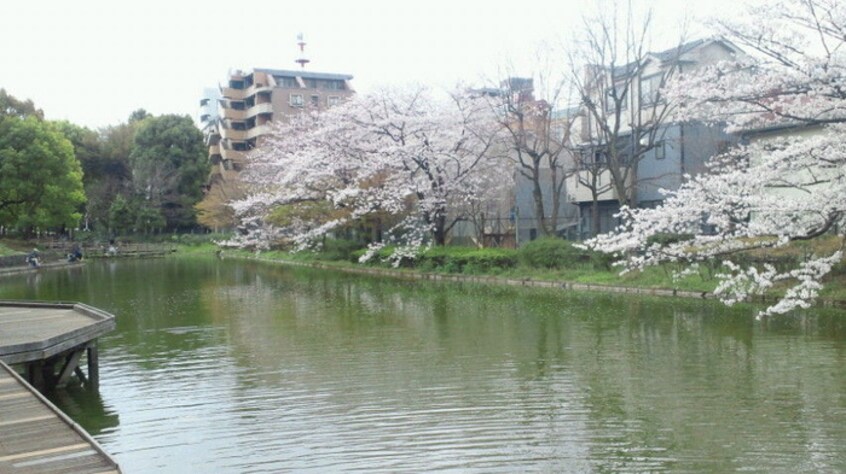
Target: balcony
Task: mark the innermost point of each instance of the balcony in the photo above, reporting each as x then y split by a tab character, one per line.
214	150
233	155
213	137
233	114
230	93
256	88
232	134
265	108
258	131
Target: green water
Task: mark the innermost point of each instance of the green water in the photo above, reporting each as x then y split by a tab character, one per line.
242	367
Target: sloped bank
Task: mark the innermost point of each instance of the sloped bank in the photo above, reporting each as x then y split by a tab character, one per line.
495	280
525	282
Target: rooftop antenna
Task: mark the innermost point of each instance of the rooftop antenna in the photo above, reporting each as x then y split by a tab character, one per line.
302	60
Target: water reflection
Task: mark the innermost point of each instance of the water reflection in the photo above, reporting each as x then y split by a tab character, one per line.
241	367
81	403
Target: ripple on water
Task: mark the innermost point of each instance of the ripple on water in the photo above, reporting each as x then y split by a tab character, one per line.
228	368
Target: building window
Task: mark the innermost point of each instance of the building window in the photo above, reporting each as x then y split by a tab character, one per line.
333	85
333	100
287	82
296	100
649	90
660	151
315	101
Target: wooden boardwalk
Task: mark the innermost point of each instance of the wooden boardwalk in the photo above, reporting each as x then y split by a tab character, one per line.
48	340
45	337
35	437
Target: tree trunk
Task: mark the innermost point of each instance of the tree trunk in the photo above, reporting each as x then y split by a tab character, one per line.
439	230
594	217
537	194
376	230
556	201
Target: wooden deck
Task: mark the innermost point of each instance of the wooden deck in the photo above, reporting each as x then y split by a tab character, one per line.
47	340
33	331
35	437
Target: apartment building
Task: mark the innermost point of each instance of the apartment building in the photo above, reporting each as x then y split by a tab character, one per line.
236	116
251	100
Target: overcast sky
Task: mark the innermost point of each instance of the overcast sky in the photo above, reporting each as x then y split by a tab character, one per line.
94	61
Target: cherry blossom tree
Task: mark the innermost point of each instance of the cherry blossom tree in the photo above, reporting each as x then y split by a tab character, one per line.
786	184
407	154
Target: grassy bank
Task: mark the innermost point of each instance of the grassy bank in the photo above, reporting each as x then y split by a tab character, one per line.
556	260
544	260
6	250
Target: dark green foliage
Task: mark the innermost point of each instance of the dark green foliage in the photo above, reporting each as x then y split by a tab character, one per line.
105	167
551	252
149	219
138	115
554	253
13	107
40	179
340	249
122	216
466	259
169	168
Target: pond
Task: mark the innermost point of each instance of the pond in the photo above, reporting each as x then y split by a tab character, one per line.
230	366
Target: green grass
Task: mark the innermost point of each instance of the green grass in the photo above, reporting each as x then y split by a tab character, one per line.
656	277
6	250
207	248
556	261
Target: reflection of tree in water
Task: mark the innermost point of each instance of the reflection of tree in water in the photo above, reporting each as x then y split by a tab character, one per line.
617	383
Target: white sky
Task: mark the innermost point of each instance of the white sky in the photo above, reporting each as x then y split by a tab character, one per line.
94	61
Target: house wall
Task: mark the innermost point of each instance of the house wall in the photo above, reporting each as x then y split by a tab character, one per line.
607	222
686	150
526	222
800	176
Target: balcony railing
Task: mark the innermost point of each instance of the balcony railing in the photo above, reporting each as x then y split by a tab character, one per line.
264	108
230	93
258	131
232	134
233	155
233	114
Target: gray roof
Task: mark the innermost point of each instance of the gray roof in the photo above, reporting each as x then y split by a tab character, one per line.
306	74
672	53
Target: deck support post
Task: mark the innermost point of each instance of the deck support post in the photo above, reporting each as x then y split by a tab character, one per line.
93	365
71	363
35	374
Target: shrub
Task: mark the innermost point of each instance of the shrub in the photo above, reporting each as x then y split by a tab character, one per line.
340	249
466	259
551	252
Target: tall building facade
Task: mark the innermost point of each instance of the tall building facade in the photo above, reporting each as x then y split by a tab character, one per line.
236	117
251	100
